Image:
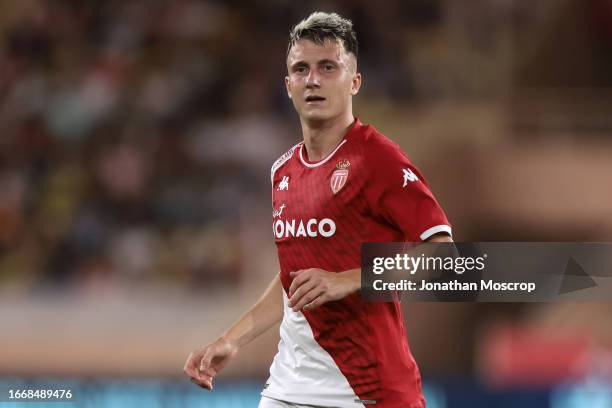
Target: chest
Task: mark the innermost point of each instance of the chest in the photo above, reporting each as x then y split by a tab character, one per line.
315	190
316	201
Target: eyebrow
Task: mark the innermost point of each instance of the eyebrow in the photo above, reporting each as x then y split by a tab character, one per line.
320	62
328	61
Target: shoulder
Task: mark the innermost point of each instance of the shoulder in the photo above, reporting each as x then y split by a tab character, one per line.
379	149
282	160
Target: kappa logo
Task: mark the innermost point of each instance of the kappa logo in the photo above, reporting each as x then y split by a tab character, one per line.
409	176
339	176
284	184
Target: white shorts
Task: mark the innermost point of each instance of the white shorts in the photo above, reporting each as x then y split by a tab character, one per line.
267	402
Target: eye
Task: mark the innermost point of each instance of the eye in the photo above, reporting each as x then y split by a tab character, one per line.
328	67
301	69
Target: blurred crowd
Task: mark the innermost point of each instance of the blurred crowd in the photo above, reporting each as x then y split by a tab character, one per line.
133	133
128	144
136	135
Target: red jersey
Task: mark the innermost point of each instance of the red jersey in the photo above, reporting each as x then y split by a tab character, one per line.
347	353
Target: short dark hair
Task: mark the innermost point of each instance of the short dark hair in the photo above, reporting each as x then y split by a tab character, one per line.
320	26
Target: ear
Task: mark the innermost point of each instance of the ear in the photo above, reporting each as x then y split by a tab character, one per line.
288	86
356	83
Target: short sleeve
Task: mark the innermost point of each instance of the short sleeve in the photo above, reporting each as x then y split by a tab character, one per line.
398	192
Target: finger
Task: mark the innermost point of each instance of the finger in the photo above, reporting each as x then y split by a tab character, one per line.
211	372
301	291
199	376
191	368
308	298
206	360
191	373
293	274
188	362
299	278
316	303
295	282
203	378
192	361
203	383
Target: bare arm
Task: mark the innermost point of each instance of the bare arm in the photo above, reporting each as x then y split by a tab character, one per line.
204	363
440	238
267	311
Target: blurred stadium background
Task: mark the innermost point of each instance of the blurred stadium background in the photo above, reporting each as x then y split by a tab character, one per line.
135	144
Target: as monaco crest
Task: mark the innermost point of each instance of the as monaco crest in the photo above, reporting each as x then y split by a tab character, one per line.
339	176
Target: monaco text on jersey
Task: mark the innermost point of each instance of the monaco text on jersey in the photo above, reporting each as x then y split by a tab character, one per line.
298	228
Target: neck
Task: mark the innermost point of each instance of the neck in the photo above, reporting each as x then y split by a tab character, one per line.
320	138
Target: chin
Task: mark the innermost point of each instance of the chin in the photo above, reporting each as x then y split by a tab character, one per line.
316	115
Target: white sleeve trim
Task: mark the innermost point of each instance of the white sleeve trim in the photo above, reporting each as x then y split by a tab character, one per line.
434	230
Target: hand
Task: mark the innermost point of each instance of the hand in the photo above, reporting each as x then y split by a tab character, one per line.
313	287
203	364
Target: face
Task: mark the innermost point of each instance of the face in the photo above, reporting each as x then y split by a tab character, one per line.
322	79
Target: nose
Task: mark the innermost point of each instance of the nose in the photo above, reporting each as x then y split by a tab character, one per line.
313	80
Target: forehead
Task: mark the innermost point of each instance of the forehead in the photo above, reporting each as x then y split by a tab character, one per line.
309	51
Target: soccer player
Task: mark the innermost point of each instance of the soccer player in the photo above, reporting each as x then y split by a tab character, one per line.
343	185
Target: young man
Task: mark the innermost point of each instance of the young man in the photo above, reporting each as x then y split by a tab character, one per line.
345	184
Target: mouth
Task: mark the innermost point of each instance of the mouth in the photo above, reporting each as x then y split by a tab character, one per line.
314	98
